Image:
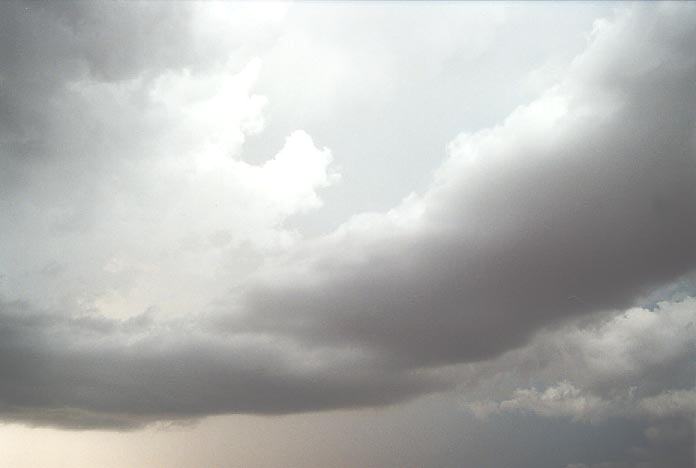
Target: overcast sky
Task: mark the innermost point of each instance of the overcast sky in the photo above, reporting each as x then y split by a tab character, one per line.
336	234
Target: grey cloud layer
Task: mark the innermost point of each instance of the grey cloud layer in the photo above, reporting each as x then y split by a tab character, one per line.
91	371
580	202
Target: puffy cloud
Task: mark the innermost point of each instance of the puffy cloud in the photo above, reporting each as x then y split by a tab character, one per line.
141	183
566	400
563	399
638	364
670	403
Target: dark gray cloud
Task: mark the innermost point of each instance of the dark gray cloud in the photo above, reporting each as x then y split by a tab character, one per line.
91	371
46	45
46	48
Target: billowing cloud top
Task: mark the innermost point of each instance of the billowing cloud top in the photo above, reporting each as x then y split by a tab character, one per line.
123	190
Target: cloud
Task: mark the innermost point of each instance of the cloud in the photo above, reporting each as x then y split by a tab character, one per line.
579	202
566	400
563	399
92	371
141	190
635	365
47	48
670	403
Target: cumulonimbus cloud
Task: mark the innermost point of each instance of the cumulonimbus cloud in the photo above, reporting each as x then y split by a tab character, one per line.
579	202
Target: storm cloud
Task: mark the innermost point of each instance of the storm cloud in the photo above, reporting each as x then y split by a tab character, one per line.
576	207
578	202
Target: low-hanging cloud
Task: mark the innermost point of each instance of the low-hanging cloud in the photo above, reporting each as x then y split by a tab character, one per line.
90	371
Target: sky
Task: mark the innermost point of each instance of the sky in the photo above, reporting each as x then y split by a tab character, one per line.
348	234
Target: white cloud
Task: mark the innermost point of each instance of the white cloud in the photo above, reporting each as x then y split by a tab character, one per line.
633	365
566	400
159	190
670	403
